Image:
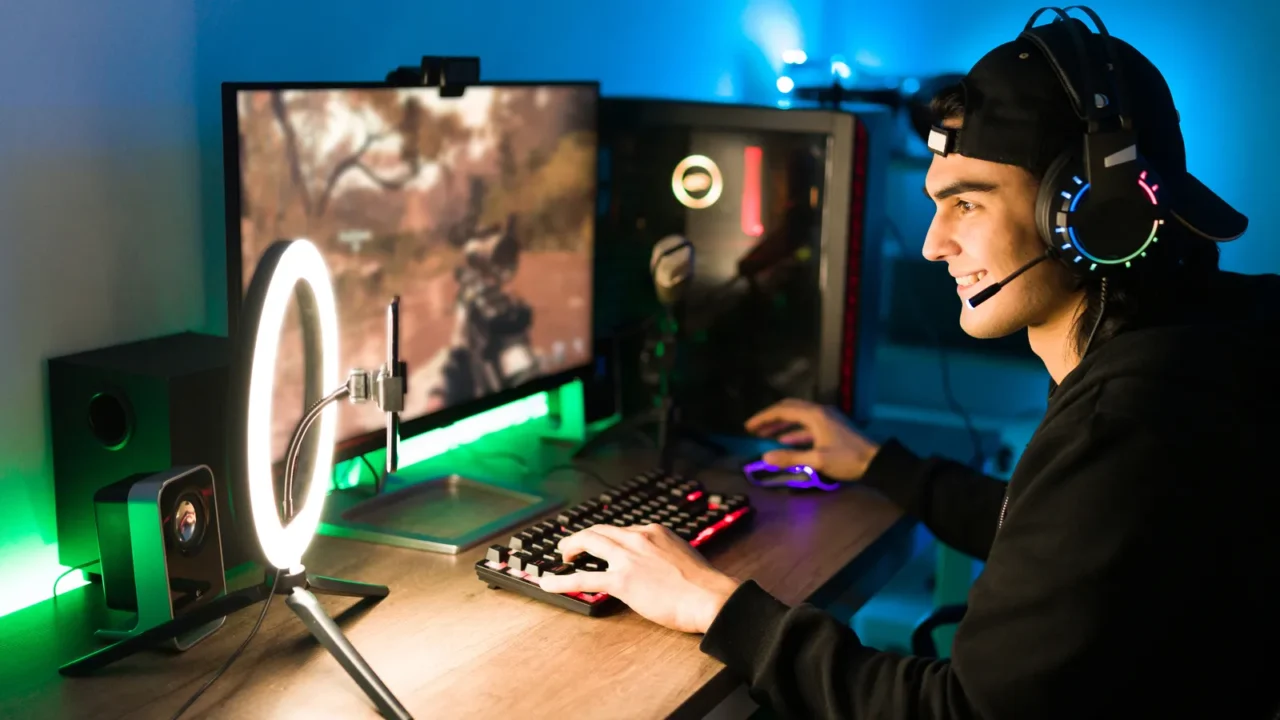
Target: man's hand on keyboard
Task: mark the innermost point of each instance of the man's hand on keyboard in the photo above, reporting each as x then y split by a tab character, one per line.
650	569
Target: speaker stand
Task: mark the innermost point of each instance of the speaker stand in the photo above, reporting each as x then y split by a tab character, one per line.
299	589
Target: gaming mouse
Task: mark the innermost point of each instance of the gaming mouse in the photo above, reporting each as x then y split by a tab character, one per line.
799	477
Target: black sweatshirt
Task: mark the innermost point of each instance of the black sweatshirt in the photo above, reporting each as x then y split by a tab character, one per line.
1130	574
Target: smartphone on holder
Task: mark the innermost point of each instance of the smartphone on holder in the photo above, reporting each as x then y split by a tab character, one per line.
800	477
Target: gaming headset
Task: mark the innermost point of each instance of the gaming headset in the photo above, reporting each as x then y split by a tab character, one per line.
1099	207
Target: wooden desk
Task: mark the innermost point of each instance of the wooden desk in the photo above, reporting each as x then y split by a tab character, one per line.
447	645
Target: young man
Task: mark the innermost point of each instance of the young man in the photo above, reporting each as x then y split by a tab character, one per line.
1128	563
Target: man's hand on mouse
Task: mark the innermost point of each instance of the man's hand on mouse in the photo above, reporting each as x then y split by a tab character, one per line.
838	451
650	569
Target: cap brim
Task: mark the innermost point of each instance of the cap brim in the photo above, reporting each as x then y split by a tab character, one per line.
1203	212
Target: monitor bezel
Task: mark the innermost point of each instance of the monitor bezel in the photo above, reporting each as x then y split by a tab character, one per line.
359	445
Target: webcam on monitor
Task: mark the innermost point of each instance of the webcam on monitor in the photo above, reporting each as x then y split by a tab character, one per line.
451	74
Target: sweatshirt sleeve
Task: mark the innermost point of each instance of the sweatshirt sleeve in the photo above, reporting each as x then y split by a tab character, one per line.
958	504
1056	622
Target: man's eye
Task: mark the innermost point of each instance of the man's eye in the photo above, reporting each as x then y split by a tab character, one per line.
965	206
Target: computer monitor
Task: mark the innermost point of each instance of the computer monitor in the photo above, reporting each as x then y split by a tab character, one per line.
784	209
477	211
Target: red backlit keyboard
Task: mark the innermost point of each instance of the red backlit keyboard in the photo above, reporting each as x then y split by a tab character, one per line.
684	506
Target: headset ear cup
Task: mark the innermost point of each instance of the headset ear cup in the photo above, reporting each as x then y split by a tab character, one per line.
1056	180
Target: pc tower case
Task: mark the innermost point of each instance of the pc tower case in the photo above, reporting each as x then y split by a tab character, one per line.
784	209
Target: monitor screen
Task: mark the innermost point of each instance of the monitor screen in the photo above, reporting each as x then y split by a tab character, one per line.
477	211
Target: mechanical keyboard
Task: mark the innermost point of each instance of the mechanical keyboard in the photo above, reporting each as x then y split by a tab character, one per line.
684	506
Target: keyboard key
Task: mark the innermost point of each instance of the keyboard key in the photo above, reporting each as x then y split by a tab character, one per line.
590	563
539	567
683	506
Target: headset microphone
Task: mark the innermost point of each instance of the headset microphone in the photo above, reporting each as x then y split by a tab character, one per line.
991	291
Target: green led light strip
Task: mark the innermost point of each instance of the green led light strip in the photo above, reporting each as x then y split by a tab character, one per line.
440	441
30	566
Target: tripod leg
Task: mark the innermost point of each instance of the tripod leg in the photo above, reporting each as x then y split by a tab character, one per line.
146	639
308	609
345	588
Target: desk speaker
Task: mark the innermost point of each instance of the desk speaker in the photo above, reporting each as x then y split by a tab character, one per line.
134	408
158	535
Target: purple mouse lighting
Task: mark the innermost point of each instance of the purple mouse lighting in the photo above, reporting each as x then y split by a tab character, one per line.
809	477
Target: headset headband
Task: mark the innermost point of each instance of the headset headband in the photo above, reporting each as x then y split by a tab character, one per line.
1109	139
1093	106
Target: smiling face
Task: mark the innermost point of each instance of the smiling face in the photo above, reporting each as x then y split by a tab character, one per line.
984	229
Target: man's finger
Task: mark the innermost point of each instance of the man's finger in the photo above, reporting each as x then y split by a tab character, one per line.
580	581
797	437
770	417
792	458
596	540
786	412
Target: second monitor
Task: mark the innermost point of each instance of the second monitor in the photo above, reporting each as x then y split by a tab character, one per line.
478	211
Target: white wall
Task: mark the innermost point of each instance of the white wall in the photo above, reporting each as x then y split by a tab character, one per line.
98	203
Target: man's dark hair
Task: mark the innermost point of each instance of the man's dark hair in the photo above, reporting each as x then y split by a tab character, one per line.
1157	292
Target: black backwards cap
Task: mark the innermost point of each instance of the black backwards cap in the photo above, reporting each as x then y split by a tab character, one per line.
1019	111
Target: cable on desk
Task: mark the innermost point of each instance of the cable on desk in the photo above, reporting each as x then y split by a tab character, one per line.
481	459
365	459
235	655
67	572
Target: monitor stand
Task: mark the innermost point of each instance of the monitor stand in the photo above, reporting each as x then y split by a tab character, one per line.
425	509
420	507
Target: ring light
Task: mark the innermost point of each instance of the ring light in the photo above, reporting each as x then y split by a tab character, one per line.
699	162
286	265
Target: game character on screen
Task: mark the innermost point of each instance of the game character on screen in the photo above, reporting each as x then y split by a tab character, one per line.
489	350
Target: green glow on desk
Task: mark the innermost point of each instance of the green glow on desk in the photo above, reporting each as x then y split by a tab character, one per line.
440	441
29	565
28	572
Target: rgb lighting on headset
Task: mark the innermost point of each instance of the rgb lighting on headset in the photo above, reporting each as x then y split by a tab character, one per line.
1070	232
284	545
